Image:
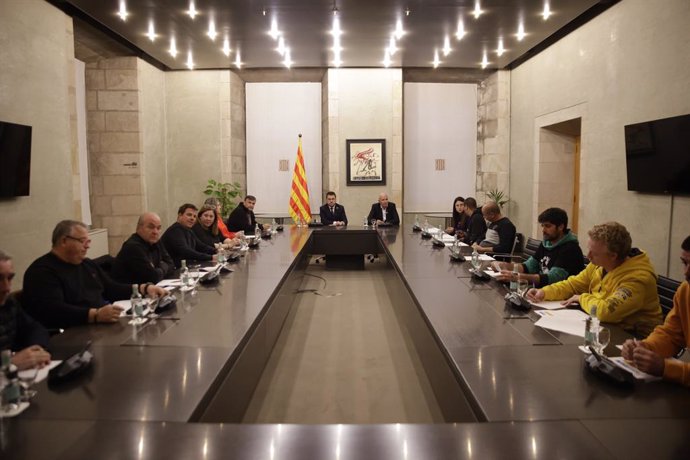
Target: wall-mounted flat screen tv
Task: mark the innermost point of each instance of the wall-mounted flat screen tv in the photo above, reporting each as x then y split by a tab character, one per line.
15	159
658	155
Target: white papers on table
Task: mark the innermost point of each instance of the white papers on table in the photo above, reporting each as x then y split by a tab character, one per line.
126	305
210	269
169	283
549	305
638	374
568	321
492	273
28	374
485	257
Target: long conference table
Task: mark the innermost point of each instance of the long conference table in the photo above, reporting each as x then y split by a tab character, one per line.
177	386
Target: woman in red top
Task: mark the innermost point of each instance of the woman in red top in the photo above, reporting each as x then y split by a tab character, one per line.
215	202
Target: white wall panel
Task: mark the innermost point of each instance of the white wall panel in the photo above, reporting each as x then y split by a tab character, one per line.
440	123
276	114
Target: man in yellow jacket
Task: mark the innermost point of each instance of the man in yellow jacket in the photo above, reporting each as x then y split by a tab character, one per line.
619	283
654	355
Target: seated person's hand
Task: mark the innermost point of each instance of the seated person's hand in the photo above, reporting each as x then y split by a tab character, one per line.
505	275
627	350
450	231
339	223
108	314
30	357
155	291
535	295
572	300
648	361
214	258
266	228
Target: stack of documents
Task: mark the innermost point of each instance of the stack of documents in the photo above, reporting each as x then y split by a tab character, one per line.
568	321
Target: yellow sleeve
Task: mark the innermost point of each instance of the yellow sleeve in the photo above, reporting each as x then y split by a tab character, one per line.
667	339
576	284
677	371
625	300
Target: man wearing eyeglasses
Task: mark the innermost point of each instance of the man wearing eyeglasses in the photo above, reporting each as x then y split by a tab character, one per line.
65	288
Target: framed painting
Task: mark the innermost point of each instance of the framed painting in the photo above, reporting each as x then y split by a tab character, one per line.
366	161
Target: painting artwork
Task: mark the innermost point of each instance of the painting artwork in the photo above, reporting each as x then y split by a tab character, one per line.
366	162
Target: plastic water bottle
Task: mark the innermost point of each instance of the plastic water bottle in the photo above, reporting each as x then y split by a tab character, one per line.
185	276
475	259
514	279
366	222
137	303
426	225
591	328
257	232
416	221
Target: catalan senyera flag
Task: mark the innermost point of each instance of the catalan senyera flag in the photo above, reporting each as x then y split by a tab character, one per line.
299	192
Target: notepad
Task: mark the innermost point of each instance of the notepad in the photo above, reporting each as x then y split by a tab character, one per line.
568	321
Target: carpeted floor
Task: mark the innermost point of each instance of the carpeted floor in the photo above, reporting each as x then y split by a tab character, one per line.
343	358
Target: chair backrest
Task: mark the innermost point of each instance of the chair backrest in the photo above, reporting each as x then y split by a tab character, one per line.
666	288
531	246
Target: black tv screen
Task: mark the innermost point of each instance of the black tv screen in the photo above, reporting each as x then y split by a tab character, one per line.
15	159
658	155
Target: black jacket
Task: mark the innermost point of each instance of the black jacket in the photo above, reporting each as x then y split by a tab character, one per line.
242	219
59	294
205	236
476	228
328	217
183	244
140	262
19	330
505	230
391	214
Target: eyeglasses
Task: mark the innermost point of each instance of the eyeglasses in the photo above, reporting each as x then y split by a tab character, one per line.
83	240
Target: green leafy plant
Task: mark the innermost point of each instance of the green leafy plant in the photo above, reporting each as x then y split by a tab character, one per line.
497	196
226	192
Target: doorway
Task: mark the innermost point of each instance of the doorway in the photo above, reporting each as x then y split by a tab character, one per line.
558	166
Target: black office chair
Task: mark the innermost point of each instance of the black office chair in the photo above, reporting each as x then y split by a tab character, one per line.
666	288
531	247
508	257
105	262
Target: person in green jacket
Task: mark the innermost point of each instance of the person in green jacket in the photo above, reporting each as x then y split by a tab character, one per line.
618	285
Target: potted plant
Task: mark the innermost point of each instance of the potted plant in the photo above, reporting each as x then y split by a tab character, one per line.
226	192
497	196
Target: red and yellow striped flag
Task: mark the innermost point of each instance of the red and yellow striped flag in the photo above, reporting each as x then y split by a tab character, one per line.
299	193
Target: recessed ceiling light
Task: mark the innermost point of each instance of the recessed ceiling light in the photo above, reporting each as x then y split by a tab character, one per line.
461	29
446	46
152	32
335	28
477	10
173	47
436	59
192	11
547	11
386	58
190	61
500	50
407	11
392	47
281	46
485	61
274	32
122	12
226	46
521	32
212	29
399	32
287	61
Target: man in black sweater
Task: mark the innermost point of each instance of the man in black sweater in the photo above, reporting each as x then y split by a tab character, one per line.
500	233
242	218
384	212
142	258
19	332
476	226
182	243
64	288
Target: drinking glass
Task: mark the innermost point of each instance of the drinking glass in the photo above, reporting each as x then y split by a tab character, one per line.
477	264
601	339
26	382
523	287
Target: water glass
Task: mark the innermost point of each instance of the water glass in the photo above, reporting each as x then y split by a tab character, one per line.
476	263
602	337
522	287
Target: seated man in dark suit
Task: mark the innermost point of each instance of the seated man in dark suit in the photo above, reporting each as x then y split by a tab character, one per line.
476	225
143	258
182	243
332	213
383	212
19	332
64	288
500	234
242	218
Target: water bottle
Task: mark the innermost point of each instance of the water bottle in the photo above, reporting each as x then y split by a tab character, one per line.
12	391
416	221
426	226
366	222
221	256
137	303
475	259
514	279
456	245
185	276
257	232
591	328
